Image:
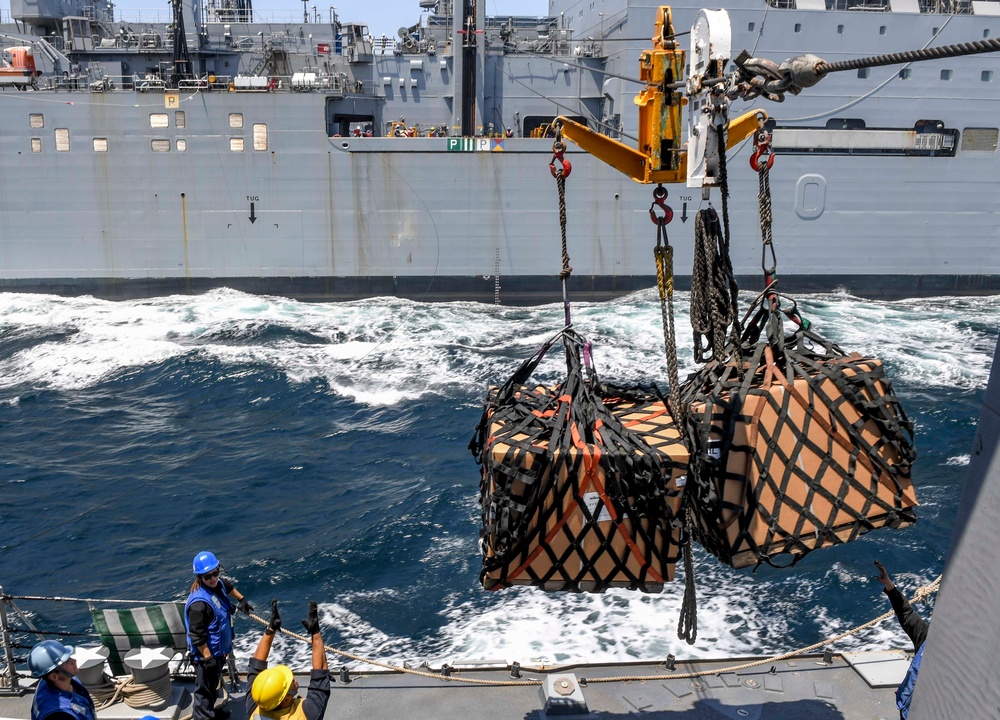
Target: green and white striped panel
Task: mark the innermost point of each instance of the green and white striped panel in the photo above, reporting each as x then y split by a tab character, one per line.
152	626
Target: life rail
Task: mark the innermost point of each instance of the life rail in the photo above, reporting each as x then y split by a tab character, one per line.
448	673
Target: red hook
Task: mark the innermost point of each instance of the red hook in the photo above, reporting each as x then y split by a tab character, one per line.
557	155
763	143
660	199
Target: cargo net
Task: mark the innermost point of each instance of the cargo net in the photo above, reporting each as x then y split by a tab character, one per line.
795	445
579	486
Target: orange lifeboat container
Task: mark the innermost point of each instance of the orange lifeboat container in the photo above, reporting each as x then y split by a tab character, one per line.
17	67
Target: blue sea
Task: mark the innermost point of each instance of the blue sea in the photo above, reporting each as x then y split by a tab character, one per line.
320	450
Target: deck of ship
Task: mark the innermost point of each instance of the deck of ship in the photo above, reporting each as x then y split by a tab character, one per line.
858	685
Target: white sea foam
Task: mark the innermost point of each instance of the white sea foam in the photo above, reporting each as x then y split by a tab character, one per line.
959	460
386	351
736	618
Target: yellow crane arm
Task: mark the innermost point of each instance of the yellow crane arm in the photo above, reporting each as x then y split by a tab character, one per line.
639	166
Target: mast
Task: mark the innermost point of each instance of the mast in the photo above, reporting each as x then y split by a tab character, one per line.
469	62
182	59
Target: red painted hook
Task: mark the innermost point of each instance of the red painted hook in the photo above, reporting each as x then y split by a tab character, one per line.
763	143
755	158
660	199
557	155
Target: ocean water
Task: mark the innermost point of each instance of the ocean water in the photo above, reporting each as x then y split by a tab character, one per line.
320	451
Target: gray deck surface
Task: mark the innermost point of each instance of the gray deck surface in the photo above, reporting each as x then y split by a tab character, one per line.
802	688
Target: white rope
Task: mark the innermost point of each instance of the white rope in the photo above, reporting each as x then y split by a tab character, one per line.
135	695
921	594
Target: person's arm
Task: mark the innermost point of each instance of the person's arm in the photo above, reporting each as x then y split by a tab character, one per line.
318	694
318	652
241	602
256	666
913	625
200	614
273	626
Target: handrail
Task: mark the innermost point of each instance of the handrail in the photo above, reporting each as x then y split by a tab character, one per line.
9	684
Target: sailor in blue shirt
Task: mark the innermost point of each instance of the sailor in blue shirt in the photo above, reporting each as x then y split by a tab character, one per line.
915	628
59	695
207	615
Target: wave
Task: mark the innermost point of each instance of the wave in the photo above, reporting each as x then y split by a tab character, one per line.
386	351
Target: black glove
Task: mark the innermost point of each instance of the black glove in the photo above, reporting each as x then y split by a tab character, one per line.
274	624
311	623
210	664
883	576
244	606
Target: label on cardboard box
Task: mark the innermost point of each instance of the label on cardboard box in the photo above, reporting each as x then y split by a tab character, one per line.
591	500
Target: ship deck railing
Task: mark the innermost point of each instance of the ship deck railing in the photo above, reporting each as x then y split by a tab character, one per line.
138	16
118	625
309	80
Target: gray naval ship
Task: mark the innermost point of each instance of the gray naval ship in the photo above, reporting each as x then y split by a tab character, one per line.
310	159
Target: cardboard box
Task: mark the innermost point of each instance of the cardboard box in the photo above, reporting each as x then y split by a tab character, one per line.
575	525
807	467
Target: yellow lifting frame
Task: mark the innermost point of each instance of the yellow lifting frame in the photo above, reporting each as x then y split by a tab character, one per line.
661	157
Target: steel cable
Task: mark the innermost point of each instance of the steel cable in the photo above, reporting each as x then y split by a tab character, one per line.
935	53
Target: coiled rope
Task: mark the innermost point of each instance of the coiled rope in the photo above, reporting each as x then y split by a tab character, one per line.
135	695
919	596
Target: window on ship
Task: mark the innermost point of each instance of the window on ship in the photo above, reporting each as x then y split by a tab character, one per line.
541	125
979	139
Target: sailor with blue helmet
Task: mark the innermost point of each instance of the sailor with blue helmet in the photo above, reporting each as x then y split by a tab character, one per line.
915	628
208	617
59	695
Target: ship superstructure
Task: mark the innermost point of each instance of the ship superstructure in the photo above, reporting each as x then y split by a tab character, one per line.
220	147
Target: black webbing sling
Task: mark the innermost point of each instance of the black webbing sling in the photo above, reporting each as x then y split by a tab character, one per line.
546	452
855	417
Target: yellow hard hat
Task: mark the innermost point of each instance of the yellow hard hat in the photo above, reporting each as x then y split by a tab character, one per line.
271	686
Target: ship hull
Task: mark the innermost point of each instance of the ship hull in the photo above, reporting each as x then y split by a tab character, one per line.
130	194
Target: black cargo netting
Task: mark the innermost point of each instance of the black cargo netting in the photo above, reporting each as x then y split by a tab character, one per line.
821	408
542	452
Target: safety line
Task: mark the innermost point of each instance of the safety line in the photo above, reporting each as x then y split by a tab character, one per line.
397	668
921	594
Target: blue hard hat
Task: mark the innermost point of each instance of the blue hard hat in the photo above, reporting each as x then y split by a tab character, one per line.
205	562
46	656
148	717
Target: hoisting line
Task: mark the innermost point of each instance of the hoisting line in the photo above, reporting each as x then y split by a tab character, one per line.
661	214
560	168
761	161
